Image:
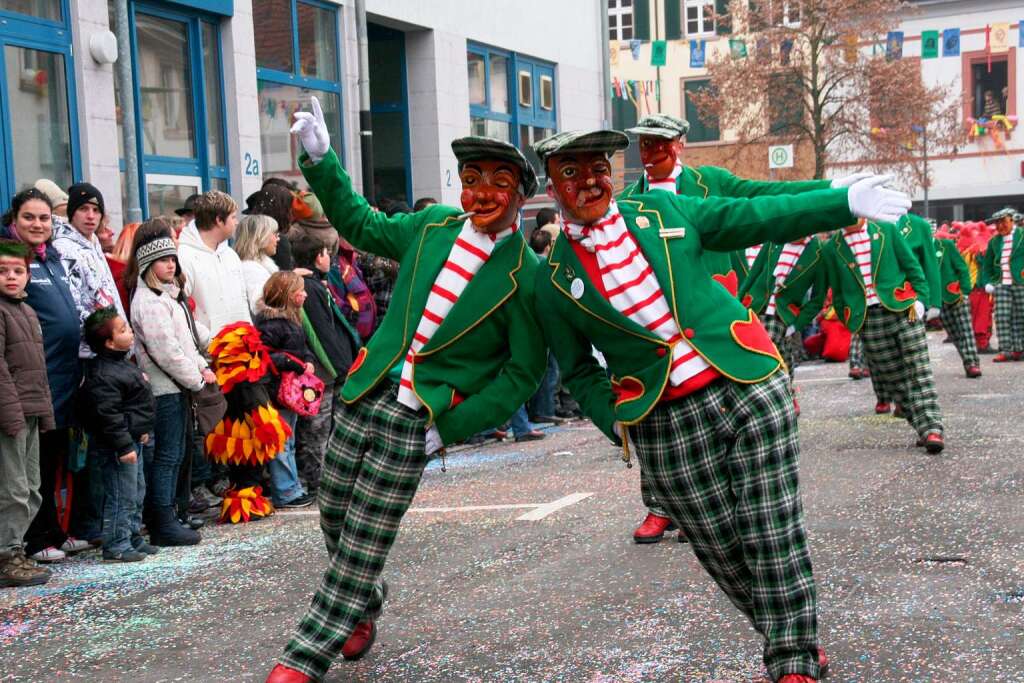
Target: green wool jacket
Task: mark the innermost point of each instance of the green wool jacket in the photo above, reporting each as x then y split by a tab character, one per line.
486	358
808	274
899	280
991	268
713	181
953	271
920	238
717	325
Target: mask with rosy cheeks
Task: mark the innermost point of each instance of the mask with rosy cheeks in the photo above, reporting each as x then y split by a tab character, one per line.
581	184
659	156
1004	226
490	190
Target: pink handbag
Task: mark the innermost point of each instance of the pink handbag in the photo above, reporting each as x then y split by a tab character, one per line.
300	393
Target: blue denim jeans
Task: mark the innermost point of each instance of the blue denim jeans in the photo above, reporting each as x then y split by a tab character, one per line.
284	472
88	523
543	401
520	423
125	485
169	435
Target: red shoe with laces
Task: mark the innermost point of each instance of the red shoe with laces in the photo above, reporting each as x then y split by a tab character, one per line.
653	528
360	640
284	674
882	408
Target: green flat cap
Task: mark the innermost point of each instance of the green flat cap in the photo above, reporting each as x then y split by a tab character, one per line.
1018	217
1002	213
661	126
579	141
474	148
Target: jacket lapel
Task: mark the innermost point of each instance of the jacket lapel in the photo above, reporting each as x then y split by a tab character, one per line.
490	287
808	257
691	183
851	261
877	247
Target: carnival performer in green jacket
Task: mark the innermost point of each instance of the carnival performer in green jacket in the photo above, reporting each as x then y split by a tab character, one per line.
955	278
458	352
1002	273
695	379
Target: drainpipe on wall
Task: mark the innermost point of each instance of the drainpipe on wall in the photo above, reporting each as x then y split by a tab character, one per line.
606	67
365	124
123	74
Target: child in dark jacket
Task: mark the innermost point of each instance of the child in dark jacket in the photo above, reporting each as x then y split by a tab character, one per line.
334	344
278	321
27	411
117	407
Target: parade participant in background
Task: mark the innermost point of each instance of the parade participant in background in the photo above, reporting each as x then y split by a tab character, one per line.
776	289
661	150
1002	272
878	290
971	242
694	376
457	353
955	279
858	368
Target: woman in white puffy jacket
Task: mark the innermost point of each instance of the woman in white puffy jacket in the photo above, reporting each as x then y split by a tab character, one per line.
255	243
167	343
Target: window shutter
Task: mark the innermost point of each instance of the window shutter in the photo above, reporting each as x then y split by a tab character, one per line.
673	20
723	24
642	19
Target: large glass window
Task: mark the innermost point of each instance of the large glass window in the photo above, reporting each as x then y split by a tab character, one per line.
701	130
620	19
296	57
43	9
165	88
40	125
213	89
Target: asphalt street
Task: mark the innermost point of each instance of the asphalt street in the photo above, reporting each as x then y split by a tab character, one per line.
517	565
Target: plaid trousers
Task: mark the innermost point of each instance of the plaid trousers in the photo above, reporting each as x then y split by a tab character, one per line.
897	351
856	352
1009	317
647	494
776	329
956	319
723	462
374	462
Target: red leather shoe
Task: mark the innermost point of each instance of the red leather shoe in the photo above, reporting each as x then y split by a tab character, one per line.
882	408
973	371
855	373
359	641
933	443
797	678
1017	355
1002	358
653	528
796	407
822	663
284	674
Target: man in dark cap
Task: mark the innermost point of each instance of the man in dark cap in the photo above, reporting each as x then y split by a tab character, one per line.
188	211
696	382
456	353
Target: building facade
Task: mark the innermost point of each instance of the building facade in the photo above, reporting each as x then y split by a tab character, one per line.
214	84
984	173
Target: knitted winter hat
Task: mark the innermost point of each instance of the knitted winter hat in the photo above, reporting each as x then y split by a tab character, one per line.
52	190
81	194
152	250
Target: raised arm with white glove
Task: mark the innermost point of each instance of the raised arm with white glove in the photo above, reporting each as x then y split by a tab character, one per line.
312	131
850	179
869	199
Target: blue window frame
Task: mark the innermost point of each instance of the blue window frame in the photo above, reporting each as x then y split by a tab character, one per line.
47	42
211	169
287	88
512	97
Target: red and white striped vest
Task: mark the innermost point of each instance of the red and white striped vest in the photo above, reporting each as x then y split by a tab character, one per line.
860	244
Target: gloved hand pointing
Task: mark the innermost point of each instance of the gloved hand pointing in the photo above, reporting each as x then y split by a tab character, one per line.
312	131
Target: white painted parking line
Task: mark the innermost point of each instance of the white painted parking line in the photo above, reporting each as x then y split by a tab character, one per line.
470	508
823	380
545	510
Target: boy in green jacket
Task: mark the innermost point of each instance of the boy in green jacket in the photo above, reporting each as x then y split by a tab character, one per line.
955	277
878	290
1002	272
456	353
694	376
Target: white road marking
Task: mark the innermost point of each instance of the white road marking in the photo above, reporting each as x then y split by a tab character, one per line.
538	511
824	380
545	510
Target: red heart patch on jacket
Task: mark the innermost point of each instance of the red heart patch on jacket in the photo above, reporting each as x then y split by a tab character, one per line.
904	293
751	335
747	300
794	309
358	362
953	287
729	281
627	389
846	314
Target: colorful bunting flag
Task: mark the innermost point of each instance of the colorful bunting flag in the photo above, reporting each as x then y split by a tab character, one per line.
659	52
698	53
894	46
929	44
951	42
1000	38
634	47
738	48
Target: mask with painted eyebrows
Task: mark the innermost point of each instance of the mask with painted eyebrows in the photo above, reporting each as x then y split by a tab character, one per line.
581	184
659	155
1004	225
491	190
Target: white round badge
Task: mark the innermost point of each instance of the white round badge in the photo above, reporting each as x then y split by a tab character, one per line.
576	288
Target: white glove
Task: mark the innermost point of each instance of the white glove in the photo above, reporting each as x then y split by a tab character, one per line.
932	313
868	199
617	428
919	310
990	288
312	131
433	441
790	331
850	179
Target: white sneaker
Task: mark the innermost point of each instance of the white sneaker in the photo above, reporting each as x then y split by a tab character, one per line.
75	545
47	555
